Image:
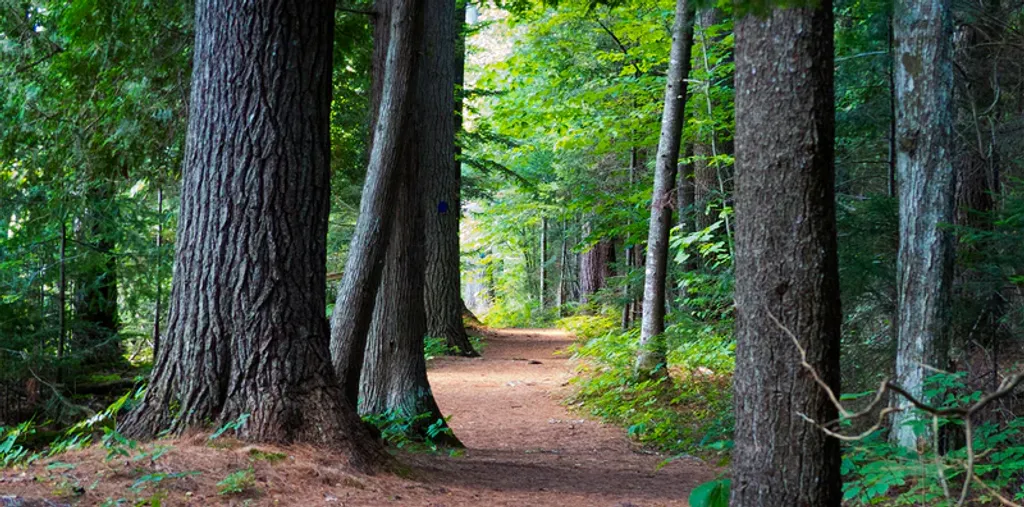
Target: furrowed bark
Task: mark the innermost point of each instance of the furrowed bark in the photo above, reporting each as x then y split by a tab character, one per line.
786	261
353	309
247	332
441	190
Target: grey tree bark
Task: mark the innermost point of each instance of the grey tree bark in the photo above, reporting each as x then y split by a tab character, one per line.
652	354
394	377
786	261
443	298
395	41
927	184
247	332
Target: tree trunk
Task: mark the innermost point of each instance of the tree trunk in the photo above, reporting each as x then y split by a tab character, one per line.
394	375
353	309
924	87
441	190
95	339
394	378
786	261
247	333
685	206
595	268
652	355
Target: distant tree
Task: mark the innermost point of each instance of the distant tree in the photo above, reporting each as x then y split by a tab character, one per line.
652	355
786	261
247	332
927	193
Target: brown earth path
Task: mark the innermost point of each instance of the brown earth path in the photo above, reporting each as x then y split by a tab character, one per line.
525	448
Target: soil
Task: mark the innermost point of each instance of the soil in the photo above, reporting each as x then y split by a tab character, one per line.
523	448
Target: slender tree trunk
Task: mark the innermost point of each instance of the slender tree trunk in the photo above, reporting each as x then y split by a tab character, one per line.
159	286
396	41
924	88
563	259
441	191
891	179
95	339
684	204
247	333
394	375
62	293
543	259
786	261
652	355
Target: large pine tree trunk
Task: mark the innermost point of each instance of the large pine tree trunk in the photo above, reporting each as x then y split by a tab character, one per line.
396	41
786	262
247	333
651	357
924	88
442	186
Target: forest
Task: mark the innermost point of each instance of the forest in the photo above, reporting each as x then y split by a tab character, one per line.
512	252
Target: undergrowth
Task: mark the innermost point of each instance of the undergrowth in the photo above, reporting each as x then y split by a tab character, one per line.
687	412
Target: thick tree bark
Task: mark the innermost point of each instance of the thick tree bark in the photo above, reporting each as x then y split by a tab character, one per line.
927	184
786	261
247	333
353	309
652	353
442	189
394	378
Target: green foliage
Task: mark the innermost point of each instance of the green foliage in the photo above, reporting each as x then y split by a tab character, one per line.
412	433
237	482
11	452
437	347
688	411
877	471
711	494
234	425
269	457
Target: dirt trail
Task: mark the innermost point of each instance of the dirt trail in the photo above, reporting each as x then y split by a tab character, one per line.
525	448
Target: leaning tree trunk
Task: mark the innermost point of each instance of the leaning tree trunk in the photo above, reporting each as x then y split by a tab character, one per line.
247	333
394	378
441	189
786	262
652	355
927	185
353	310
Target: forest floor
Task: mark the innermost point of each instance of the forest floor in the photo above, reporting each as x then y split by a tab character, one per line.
523	448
